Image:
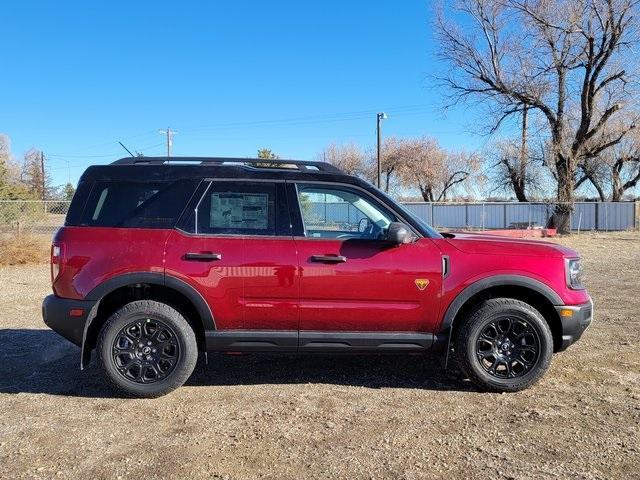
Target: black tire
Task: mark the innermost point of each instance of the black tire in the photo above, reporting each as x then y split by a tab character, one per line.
155	353
515	359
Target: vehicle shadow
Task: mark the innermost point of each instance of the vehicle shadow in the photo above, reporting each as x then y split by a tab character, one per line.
40	361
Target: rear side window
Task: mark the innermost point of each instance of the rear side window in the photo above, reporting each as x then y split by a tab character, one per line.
234	208
137	204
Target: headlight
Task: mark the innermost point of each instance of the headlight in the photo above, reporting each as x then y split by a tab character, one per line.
574	273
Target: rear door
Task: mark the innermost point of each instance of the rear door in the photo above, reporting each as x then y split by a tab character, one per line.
351	279
234	245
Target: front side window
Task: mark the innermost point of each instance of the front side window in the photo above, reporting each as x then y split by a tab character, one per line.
341	212
234	208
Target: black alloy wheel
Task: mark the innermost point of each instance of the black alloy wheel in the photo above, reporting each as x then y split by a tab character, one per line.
503	345
508	347
145	351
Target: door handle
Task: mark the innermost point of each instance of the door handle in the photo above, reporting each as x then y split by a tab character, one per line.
202	257
328	258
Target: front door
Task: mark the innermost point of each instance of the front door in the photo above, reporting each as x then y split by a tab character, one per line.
351	279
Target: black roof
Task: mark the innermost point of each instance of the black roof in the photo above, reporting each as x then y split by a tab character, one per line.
302	165
171	168
157	169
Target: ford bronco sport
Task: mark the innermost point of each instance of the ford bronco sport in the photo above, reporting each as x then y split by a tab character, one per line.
161	258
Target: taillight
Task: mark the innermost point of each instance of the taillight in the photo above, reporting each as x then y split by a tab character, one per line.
57	253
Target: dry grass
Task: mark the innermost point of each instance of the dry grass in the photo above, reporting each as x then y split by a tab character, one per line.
23	249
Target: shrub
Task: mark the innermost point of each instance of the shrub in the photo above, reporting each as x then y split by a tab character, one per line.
24	249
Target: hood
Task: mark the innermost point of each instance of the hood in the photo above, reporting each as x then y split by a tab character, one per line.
496	245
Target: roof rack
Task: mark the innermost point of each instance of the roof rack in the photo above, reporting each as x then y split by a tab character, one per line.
257	163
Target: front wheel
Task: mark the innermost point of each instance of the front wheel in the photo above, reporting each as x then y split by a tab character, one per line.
147	349
505	345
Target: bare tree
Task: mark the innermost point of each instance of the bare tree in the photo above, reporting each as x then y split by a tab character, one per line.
617	169
5	157
511	172
433	170
36	180
11	188
513	168
348	157
568	60
395	154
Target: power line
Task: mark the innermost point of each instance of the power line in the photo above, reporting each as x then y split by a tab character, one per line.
104	144
329	118
403	110
314	119
115	154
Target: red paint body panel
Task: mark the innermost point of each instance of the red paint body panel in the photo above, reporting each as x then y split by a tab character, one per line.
272	286
269	283
474	257
220	282
374	290
253	286
94	255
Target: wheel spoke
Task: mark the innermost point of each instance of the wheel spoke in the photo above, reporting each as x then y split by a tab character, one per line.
503	325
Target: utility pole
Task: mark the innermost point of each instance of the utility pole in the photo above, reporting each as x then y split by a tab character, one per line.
43	177
169	133
379	117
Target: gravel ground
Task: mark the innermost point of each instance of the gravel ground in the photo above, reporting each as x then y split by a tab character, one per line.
347	417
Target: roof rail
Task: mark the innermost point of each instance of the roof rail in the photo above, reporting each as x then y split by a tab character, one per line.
258	163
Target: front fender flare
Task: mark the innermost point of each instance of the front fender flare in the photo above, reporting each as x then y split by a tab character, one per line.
485	284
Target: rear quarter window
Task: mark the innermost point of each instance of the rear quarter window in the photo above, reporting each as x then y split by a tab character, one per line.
136	204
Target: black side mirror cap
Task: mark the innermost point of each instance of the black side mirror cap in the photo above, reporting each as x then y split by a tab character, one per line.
398	233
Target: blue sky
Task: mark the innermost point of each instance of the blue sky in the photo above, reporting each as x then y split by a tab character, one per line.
229	76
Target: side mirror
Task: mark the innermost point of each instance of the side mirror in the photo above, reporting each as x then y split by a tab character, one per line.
398	233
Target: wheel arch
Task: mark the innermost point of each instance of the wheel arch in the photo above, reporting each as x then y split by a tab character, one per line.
117	291
531	291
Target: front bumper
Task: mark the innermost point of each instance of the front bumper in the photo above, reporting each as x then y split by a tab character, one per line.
67	317
575	320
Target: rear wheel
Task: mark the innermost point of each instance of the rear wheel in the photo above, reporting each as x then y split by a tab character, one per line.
505	345
147	349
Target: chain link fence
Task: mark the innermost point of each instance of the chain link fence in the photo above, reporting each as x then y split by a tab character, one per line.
32	216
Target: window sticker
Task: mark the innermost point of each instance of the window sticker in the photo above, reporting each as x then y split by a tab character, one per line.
239	210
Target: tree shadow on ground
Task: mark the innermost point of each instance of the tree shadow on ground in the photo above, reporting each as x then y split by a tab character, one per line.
40	361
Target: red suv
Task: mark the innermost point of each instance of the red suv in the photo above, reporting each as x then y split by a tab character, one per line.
161	258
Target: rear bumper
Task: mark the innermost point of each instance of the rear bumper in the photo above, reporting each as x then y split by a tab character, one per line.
57	315
574	325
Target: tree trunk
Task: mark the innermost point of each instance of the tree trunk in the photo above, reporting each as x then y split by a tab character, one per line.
616	188
427	194
520	185
561	218
387	179
519	190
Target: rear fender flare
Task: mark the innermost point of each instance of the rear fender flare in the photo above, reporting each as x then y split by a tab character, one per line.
105	288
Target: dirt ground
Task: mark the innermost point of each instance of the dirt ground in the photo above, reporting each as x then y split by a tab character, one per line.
326	417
